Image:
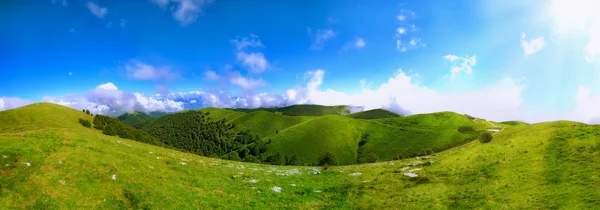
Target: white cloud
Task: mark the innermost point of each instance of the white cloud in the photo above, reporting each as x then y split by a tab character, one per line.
7	103
96	10
210	75
62	2
320	37
242	43
255	62
586	106
108	99
404	41
531	47
185	11
247	83
123	22
400	93
188	10
592	49
461	64
360	42
138	70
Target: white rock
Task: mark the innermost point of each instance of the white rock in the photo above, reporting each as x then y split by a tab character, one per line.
355	174
366	181
4	156
151	167
316	171
60	162
6	165
114	177
410	174
293	185
277	189
414	169
253	181
404	169
317	191
28	164
157	158
182	163
416	163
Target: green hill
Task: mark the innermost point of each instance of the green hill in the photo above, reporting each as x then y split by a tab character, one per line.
304	110
374	114
49	161
513	123
388	138
136	119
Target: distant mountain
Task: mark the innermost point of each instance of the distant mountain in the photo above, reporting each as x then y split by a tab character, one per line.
135	119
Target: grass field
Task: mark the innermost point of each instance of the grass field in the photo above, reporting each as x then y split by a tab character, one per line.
49	161
373	114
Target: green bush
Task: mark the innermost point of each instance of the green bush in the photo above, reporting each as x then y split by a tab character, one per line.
485	137
275	159
372	157
251	159
85	123
327	159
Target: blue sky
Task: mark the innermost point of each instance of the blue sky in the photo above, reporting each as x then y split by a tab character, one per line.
532	61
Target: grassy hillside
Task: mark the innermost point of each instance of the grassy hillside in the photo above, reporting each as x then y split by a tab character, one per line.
304	110
513	123
47	163
374	114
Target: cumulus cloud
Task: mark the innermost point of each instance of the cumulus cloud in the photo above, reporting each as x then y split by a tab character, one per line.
592	49
96	10
7	103
586	106
141	71
108	99
185	11
532	46
211	75
400	93
359	43
355	44
247	83
320	37
461	64
255	62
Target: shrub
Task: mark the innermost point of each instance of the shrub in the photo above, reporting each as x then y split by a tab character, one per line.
294	160
372	157
399	157
276	131
327	159
251	159
485	137
275	159
85	123
87	111
233	156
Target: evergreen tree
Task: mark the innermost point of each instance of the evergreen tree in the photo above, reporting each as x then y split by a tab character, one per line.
327	159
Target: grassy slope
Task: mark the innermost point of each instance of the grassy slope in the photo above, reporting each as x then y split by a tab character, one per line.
373	114
134	119
541	166
304	110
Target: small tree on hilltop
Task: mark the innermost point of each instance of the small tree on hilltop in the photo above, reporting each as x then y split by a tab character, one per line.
485	137
87	111
327	159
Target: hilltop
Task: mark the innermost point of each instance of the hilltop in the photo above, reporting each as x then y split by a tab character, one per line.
49	161
374	114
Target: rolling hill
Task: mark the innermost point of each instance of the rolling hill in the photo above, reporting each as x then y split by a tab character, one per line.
387	137
49	161
374	114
